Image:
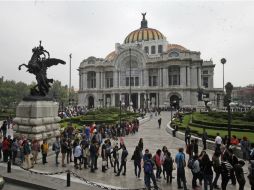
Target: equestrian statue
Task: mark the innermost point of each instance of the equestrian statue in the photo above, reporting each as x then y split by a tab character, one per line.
38	65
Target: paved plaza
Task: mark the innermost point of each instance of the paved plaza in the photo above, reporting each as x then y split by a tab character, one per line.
154	138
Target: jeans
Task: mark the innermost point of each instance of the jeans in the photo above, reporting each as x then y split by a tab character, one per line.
194	179
148	178
224	182
158	172
57	154
116	164
123	166
92	163
181	177
217	175
137	164
44	158
14	155
169	174
208	179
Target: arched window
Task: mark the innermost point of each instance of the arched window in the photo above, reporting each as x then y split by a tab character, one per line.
160	49
173	54
174	75
91	79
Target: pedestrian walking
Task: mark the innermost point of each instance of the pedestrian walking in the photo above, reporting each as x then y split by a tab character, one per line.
123	161
115	154
77	153
226	168
44	151
35	150
187	135
216	168
64	150
207	172
168	167
27	151
245	148
137	158
251	174
204	139
148	170
218	141
195	169
239	174
14	150
56	148
159	122
181	164
157	159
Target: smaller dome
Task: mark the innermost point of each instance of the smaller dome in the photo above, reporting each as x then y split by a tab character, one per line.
111	56
176	47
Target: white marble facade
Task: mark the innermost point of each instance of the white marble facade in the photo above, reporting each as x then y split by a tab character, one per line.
160	74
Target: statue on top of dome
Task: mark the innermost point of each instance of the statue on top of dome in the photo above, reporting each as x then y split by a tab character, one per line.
144	21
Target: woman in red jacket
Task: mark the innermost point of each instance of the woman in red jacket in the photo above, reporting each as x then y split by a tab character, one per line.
6	149
158	163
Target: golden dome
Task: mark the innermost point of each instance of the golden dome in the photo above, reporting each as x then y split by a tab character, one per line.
144	34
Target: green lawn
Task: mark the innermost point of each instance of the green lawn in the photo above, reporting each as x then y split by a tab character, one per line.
212	132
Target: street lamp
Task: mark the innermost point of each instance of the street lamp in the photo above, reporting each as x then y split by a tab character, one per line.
228	103
121	104
223	62
130	82
172	106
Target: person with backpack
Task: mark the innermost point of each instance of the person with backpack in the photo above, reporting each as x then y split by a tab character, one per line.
56	148
226	168
207	172
27	151
245	148
193	164
239	174
181	163
148	171
233	160
168	166
216	168
137	158
251	174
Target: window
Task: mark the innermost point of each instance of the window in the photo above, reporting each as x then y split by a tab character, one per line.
153	50
174	75
205	72
147	49
127	81
205	82
109	79
136	81
153	77
174	54
91	79
160	49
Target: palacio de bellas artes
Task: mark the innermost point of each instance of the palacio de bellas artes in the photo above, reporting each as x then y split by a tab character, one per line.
155	71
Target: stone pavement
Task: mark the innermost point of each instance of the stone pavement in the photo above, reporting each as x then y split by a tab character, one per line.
154	138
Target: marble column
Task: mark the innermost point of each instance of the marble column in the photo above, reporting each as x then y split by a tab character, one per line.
138	100
146	79
113	99
84	81
165	77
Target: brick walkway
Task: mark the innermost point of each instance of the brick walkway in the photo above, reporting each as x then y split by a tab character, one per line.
154	138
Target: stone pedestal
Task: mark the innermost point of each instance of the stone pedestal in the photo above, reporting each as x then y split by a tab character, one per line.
37	120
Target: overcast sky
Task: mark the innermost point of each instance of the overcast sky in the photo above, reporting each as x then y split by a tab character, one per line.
216	29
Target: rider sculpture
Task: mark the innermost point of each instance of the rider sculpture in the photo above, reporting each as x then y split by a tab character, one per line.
38	65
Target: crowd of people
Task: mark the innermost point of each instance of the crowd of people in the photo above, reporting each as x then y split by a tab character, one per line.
223	163
107	142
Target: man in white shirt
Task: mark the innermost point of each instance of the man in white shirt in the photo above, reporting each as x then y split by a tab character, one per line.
218	141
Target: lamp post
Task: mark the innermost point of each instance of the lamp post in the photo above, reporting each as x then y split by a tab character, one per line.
223	62
70	80
227	102
121	104
130	82
172	106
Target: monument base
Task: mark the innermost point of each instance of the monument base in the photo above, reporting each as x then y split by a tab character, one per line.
200	106
37	120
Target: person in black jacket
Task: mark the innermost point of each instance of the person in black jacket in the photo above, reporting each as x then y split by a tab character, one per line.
123	161
168	166
233	160
116	157
226	168
239	174
137	157
207	171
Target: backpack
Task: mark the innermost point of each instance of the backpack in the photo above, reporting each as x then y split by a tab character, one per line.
191	163
148	167
53	147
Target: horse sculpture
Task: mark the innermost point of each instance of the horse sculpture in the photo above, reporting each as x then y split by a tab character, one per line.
38	65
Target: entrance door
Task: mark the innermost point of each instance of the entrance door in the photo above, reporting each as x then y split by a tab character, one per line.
134	98
91	102
174	101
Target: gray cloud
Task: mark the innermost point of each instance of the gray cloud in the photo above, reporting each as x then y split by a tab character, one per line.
216	29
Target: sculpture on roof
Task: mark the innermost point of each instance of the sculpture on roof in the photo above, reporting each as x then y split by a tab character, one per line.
144	21
38	65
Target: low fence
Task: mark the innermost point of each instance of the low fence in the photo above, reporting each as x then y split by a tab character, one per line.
209	144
